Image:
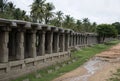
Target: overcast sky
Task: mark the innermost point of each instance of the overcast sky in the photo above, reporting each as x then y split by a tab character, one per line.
100	11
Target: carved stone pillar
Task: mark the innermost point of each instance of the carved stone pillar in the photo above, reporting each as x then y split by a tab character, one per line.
41	43
56	42
49	42
32	44
82	40
78	40
71	40
20	45
4	38
74	40
62	42
67	37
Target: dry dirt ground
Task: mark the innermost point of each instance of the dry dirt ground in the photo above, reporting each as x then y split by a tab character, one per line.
99	68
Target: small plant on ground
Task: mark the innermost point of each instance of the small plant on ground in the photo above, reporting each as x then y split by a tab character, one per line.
115	76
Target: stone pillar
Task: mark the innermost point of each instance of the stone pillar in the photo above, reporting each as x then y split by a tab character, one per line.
86	39
91	39
82	40
71	40
78	40
56	42
62	42
41	43
67	37
73	44
20	45
74	40
49	42
32	44
4	38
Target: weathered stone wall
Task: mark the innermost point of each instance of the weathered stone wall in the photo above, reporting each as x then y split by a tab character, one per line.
26	47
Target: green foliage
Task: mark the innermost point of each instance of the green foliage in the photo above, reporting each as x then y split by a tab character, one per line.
117	26
106	30
58	19
9	11
41	11
2	5
69	22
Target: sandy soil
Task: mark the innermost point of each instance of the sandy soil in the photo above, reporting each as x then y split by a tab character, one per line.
98	68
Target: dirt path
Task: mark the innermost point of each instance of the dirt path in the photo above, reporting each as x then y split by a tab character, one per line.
98	68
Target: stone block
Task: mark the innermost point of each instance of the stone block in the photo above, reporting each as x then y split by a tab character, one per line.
73	60
50	71
26	79
38	76
63	65
69	62
57	67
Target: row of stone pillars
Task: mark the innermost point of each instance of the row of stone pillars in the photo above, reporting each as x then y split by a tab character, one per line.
21	40
17	44
78	39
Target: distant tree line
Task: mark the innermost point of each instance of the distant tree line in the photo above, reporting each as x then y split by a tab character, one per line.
42	12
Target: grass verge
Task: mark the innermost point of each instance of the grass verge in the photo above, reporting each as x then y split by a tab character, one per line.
81	57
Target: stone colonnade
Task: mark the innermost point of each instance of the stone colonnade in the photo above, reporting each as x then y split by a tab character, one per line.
26	46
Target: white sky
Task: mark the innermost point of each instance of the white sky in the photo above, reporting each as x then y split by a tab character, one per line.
100	11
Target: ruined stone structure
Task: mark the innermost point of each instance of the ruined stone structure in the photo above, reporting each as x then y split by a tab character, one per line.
26	47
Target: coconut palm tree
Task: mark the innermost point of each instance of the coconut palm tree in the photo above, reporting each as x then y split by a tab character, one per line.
58	19
78	25
69	22
93	27
37	10
86	25
10	8
48	14
59	15
2	5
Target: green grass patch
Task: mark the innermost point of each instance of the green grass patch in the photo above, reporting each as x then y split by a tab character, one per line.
80	56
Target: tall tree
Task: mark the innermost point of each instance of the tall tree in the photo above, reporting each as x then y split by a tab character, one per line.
10	8
48	14
78	25
69	22
106	30
117	26
37	10
2	5
93	27
58	19
86	25
41	12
